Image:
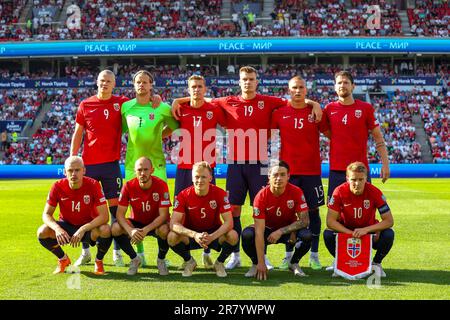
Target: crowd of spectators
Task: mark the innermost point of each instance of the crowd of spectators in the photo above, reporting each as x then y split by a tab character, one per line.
135	19
430	18
18	104
332	18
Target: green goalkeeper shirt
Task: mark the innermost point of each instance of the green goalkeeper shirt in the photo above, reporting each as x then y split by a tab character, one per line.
145	126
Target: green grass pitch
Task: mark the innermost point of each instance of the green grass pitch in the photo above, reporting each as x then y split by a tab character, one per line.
418	266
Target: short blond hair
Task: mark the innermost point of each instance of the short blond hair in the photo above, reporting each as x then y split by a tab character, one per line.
248	69
202	165
356	167
197	77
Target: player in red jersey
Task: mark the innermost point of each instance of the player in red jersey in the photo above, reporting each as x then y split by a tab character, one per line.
351	210
197	132
280	213
149	199
248	118
300	148
83	216
350	122
196	221
99	118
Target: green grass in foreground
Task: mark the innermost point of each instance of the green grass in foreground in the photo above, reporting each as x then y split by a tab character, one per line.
417	266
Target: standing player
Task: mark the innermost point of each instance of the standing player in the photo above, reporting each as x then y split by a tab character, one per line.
83	216
351	210
149	199
300	148
350	121
279	210
100	119
248	118
198	122
146	128
196	221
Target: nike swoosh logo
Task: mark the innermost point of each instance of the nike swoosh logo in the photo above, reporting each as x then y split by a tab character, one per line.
92	110
191	208
270	208
285	117
134	199
185	115
333	112
347	204
63	199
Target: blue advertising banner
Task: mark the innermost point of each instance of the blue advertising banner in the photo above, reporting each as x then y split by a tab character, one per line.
13	125
397	171
321	80
224	46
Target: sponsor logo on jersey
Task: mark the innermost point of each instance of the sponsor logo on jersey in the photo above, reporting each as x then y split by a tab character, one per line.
213	204
116	106
155	196
86	199
353	247
256	212
331	202
366	204
261	105
290	204
358	113
209	115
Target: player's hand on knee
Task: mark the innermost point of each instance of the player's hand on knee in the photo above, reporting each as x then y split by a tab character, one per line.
76	238
274	236
62	237
137	235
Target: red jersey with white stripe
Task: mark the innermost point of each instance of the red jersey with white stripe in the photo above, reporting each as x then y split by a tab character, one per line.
299	135
350	126
357	211
279	211
202	213
77	206
249	123
145	203
102	122
199	142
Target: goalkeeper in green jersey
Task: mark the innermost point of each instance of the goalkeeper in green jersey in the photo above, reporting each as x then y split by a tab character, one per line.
146	128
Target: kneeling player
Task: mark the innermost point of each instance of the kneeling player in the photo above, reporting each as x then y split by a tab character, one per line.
351	210
280	213
149	199
196	222
83	216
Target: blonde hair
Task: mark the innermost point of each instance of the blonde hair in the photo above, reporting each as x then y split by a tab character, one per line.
356	167
202	165
248	69
196	77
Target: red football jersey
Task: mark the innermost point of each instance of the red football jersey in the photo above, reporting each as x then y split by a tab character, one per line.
202	213
102	122
299	135
252	117
79	206
279	211
145	204
350	126
198	146
357	211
